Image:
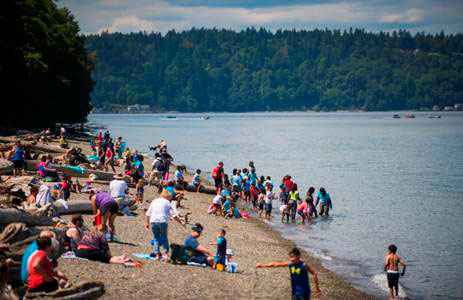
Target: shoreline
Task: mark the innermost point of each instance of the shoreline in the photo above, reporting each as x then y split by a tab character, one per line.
253	241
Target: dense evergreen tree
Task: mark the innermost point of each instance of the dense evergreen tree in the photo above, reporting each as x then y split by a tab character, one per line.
45	73
252	70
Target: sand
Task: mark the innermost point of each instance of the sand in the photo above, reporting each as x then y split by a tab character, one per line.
252	241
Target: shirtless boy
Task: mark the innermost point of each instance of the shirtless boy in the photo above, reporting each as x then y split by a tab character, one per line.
391	266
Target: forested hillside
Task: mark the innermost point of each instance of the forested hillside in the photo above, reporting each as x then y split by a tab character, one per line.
252	70
45	73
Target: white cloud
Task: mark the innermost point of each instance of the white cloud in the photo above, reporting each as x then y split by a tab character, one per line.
411	16
159	15
129	24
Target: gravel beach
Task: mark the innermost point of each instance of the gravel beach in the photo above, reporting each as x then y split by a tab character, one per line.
251	239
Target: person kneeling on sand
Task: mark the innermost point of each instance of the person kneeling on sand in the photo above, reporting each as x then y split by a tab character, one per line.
94	246
299	274
199	254
74	233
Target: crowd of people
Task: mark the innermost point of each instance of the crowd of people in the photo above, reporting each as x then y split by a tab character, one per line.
244	188
258	192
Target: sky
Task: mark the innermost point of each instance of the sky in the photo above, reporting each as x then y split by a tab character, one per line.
433	16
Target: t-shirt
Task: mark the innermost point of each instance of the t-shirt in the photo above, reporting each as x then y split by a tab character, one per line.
221	246
288	185
192	243
226	205
118	188
217	172
253	178
171	190
236	180
324	200
196	179
269	197
294	195
102	198
35	279
247	186
178	175
160	210
95	241
299	279
217	200
27	254
302	207
226	192
41	169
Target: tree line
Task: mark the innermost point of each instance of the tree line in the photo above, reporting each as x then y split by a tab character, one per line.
45	72
256	70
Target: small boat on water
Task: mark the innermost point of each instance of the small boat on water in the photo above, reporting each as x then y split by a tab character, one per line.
205	118
409	116
434	116
396	116
171	117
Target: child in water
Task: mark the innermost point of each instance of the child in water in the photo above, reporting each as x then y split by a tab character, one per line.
391	266
299	273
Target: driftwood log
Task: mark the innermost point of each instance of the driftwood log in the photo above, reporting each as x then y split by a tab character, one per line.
190	188
81	291
12	215
9	143
6	166
75	207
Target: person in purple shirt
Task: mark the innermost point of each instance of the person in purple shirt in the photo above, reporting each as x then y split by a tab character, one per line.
108	209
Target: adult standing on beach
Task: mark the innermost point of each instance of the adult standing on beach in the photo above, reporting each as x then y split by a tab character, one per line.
157	216
18	158
118	189
108	209
167	159
217	175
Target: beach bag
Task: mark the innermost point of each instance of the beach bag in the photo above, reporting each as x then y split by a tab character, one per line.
179	254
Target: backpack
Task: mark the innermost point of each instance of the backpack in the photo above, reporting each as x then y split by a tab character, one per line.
179	254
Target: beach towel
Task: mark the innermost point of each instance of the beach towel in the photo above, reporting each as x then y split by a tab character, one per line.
77	169
196	264
143	256
71	255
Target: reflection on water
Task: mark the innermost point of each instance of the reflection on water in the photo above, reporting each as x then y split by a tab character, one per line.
391	181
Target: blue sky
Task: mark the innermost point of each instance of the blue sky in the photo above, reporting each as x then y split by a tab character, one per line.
162	15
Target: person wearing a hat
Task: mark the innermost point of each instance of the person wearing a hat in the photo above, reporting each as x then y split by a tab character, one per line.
199	253
118	189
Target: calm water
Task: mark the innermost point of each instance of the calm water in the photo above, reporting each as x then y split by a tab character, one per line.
392	181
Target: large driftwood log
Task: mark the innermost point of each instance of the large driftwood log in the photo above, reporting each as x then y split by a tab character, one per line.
99	174
6	166
190	188
9	141
75	207
12	215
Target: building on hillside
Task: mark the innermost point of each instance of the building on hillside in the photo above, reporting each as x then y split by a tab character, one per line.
138	108
458	106
448	108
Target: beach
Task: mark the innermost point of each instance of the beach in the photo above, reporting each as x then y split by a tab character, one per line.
251	239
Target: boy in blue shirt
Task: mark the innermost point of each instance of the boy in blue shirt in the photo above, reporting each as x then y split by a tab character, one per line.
220	256
299	275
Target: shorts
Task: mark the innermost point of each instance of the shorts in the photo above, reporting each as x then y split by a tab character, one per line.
202	259
393	280
268	208
111	207
236	189
296	297
261	206
46	287
218	182
219	259
18	164
95	255
247	193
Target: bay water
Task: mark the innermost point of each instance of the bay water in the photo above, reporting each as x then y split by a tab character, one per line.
391	180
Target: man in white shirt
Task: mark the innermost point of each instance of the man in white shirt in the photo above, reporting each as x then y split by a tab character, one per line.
118	189
158	215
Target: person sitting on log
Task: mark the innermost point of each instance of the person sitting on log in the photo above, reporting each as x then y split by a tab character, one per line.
29	251
42	276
